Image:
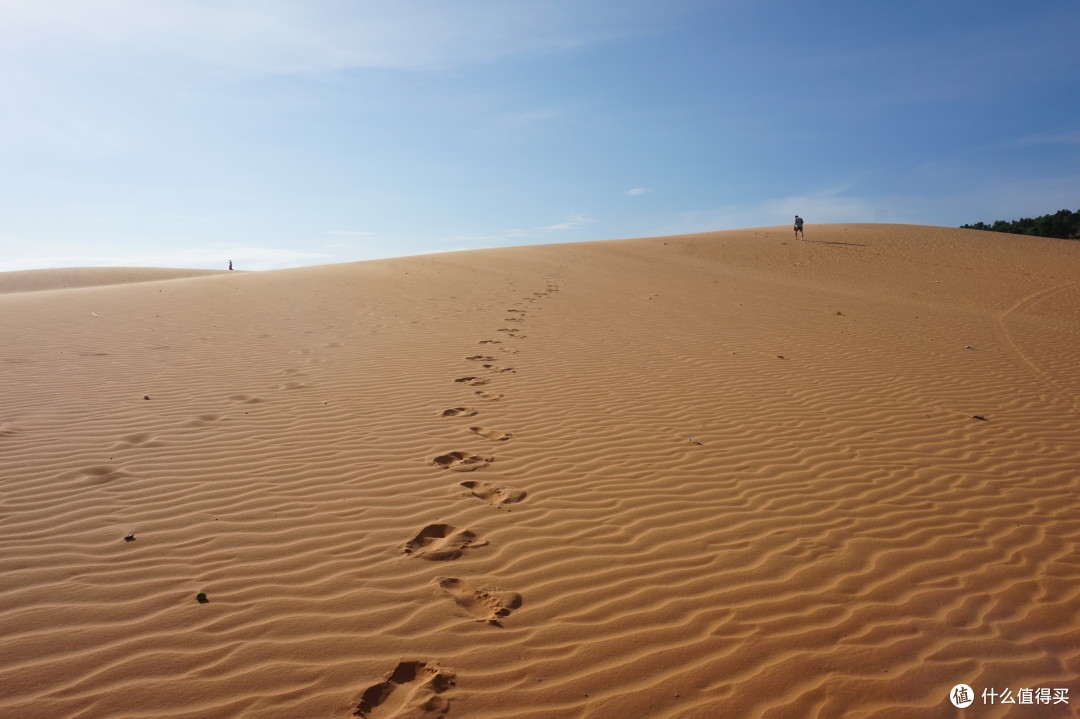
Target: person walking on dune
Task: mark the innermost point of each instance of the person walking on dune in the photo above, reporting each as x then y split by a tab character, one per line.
798	227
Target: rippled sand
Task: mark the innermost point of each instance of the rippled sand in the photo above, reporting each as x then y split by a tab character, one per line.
716	475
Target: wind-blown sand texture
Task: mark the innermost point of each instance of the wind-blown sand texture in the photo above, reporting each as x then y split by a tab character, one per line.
717	475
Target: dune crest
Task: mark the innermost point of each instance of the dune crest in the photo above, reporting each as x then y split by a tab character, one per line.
79	277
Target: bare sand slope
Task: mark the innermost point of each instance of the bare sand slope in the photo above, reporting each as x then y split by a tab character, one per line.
74	277
716	475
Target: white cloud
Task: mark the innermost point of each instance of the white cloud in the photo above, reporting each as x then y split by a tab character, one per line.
244	258
639	191
511	236
571	223
283	36
826	206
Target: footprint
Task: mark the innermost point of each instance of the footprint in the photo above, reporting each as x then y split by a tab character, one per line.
480	358
508	350
459	412
461	461
202	420
139	439
292	385
245	399
100	474
441	542
485	605
492	434
506	329
472	381
494	494
413	689
521	311
489	396
497	368
490	342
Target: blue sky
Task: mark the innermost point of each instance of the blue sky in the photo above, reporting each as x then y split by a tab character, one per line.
185	133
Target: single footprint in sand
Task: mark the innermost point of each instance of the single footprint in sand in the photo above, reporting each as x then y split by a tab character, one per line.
484	604
521	311
480	358
441	542
100	474
508	350
491	434
244	398
413	689
494	494
202	420
472	381
139	439
497	368
490	342
461	461
459	412
489	396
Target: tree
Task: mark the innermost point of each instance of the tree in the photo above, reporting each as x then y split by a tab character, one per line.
1063	224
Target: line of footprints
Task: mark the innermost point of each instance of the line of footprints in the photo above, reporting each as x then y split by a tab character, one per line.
417	687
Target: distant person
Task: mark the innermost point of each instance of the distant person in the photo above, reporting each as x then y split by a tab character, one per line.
798	228
230	265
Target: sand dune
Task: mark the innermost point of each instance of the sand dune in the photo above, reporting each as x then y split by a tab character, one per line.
717	475
69	278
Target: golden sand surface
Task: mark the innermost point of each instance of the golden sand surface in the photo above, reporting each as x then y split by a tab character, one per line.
727	474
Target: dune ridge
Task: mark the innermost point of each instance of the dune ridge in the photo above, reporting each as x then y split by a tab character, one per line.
79	277
723	474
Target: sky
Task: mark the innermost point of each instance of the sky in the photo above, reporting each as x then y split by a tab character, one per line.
275	133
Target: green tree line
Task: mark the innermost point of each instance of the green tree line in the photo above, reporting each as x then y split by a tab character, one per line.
1062	224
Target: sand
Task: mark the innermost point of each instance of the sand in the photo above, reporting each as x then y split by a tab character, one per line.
717	475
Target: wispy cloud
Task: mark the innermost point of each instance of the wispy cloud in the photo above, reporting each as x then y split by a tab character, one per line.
243	257
825	206
571	223
639	191
1053	138
279	36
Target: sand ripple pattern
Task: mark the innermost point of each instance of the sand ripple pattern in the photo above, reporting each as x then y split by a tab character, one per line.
749	479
